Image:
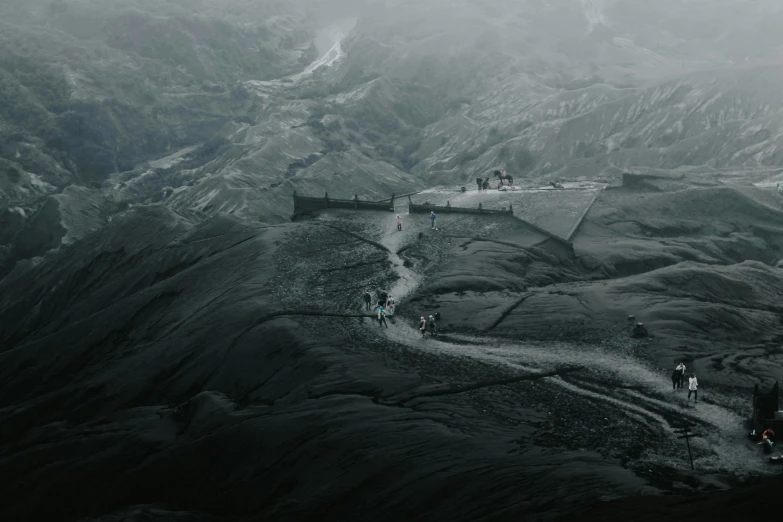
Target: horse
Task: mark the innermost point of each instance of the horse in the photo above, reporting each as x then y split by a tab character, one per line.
502	177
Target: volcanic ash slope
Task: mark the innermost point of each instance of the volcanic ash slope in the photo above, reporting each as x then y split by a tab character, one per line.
162	367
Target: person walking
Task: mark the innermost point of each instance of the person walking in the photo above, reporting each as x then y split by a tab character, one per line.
681	377
486	184
433	328
479	181
399	222
367	299
432	219
423	326
382	317
390	305
675	379
693	386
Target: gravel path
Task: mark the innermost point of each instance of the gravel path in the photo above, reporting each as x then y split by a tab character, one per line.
612	375
621	382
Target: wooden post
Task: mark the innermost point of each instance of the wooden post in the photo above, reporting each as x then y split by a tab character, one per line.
690	454
481	208
755	394
326	200
356	201
510	209
684	433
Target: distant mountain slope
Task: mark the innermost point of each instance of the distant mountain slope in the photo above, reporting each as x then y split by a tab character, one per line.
89	89
421	96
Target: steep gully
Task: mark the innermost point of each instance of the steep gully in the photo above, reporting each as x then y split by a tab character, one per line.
327	60
332	52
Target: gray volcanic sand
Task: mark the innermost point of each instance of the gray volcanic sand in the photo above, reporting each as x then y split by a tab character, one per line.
228	370
623	375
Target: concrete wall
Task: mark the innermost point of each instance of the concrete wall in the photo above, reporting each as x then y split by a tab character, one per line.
456	210
308	204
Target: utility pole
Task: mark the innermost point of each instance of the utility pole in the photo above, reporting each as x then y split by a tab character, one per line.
684	433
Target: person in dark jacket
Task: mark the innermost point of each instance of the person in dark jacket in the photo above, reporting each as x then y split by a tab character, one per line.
681	377
479	181
433	327
382	297
367	299
486	184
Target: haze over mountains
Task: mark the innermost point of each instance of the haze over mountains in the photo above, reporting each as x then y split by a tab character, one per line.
157	305
556	90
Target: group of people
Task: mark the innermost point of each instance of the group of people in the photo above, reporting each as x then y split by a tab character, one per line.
429	324
678	377
386	306
483	184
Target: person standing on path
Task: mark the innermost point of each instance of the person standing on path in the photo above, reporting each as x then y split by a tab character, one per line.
693	386
433	328
399	222
432	219
486	184
367	299
423	327
681	377
382	317
479	181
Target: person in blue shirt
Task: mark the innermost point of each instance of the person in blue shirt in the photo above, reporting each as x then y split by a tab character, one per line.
432	219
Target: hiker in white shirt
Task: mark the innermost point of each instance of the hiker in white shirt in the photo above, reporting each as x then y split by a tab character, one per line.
693	385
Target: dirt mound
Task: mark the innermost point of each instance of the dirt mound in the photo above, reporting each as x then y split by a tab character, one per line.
692	310
740	206
632	232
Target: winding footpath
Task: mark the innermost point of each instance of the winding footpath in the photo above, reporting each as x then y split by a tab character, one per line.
636	389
